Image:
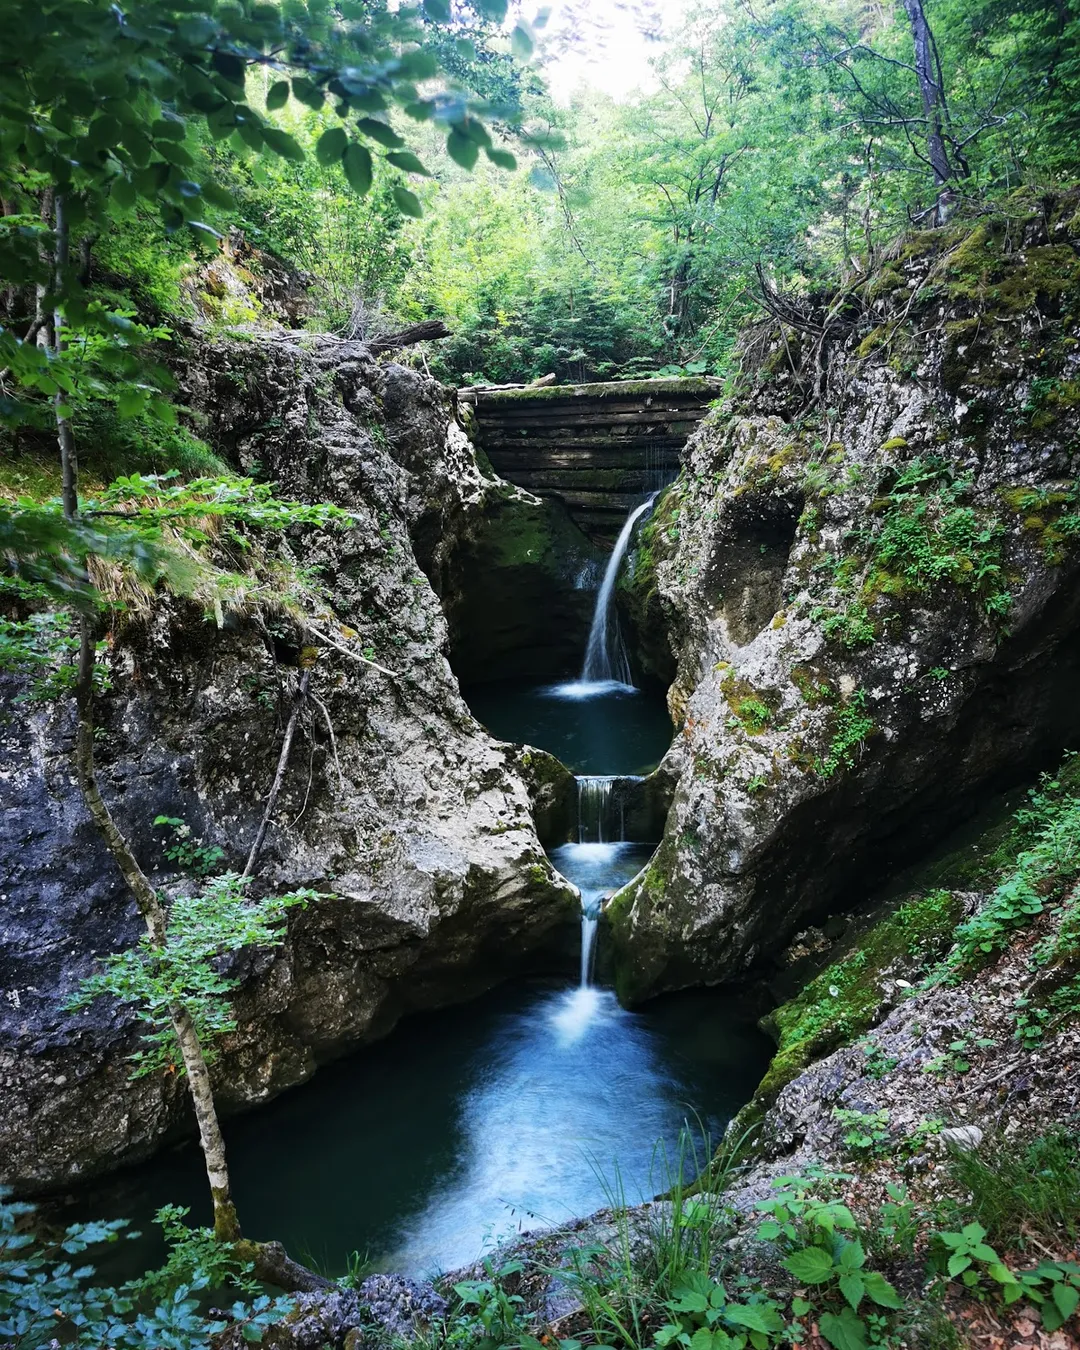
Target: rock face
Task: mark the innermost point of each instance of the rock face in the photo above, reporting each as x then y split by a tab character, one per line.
413	821
519	590
869	564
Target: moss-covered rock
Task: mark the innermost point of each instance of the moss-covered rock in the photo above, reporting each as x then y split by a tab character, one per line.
872	590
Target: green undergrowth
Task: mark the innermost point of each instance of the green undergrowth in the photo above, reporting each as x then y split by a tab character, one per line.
844	999
110	447
802	1265
1028	862
923	532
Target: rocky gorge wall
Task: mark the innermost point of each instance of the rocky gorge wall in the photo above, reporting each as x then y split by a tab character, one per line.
415	824
868	572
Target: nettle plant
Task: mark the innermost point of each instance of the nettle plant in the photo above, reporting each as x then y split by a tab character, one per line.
1052	1286
823	1251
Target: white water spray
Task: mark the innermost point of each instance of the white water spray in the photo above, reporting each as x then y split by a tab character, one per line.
605	655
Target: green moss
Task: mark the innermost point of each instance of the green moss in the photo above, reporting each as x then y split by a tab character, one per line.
754	708
615	389
877	338
894	443
844	1000
812	685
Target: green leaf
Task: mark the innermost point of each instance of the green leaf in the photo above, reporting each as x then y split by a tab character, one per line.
852	1288
755	1317
843	1330
702	1339
851	1256
462	150
811	1265
958	1262
1065	1299
277	95
331	145
283	144
217	196
407	202
502	158
521	43
356	161
438	11
880	1290
405	159
308	93
380	132
123	193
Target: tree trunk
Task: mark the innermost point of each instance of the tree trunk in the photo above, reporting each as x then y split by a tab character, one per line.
429	330
69	466
279	777
935	107
41	313
226	1225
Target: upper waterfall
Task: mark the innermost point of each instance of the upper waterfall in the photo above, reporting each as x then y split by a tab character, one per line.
605	654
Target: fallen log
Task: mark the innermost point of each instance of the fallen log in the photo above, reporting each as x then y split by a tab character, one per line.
428	331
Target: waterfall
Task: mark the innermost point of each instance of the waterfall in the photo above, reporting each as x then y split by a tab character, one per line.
598	827
605	655
596	816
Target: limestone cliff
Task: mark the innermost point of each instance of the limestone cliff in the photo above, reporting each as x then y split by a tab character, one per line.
415	824
868	565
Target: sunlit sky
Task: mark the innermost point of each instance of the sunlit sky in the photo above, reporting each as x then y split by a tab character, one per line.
600	44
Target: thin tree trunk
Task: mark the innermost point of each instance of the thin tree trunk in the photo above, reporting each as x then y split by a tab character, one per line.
41	313
935	107
226	1225
69	465
279	777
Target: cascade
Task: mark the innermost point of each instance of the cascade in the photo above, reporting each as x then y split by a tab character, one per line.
594	810
600	836
605	655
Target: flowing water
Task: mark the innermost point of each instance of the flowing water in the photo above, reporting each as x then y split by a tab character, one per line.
605	654
520	1110
464	1126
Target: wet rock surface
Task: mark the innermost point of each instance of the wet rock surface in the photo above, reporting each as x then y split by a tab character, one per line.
869	568
415	824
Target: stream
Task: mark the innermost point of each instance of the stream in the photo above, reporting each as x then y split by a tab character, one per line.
535	1104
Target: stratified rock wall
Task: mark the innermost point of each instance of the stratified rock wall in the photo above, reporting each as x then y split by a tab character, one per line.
871	571
418	828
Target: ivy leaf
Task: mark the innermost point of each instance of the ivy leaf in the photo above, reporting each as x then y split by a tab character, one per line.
462	150
356	161
843	1330
405	159
407	202
331	145
810	1266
